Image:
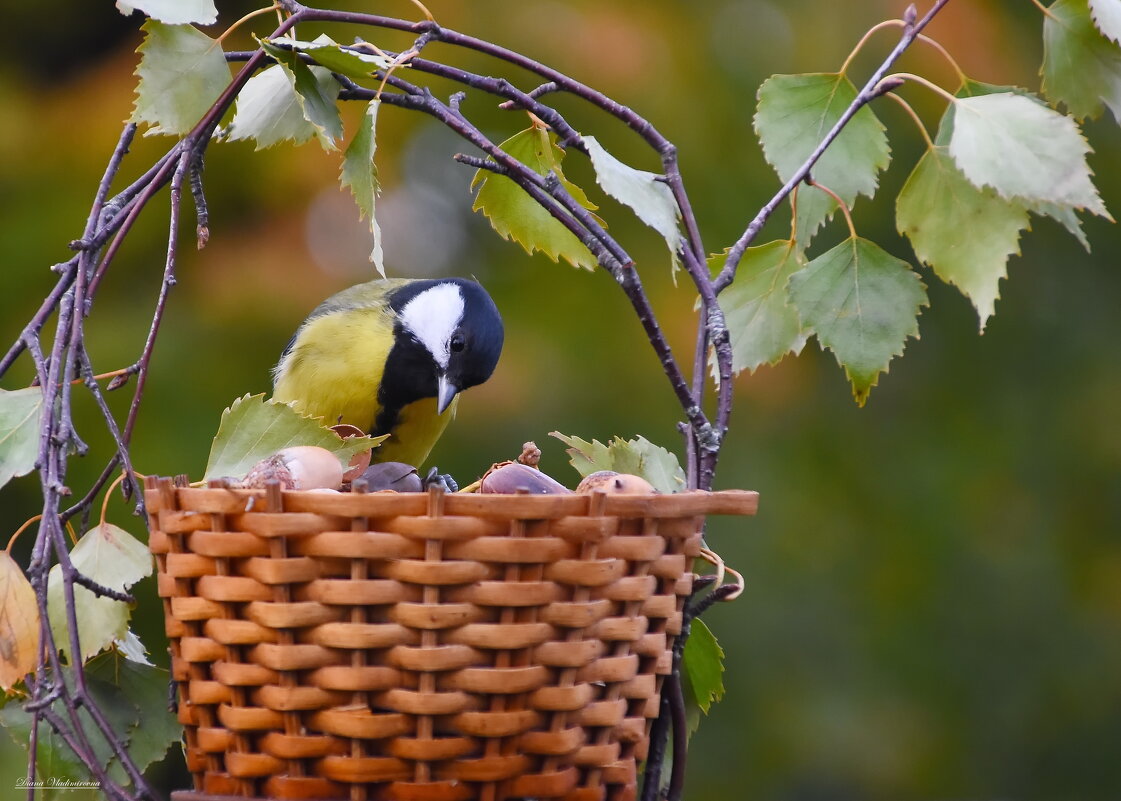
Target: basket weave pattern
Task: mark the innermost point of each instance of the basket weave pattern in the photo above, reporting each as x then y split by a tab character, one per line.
426	647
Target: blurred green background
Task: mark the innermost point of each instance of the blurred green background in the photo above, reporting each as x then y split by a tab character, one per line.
933	604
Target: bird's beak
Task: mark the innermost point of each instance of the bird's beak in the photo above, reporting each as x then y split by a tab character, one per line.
445	393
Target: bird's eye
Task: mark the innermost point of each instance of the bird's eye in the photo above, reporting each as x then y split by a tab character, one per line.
457	343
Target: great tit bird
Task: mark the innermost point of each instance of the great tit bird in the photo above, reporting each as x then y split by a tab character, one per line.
391	356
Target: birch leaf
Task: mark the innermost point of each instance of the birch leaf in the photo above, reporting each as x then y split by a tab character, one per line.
1064	215
863	304
703	664
513	214
113	558
253	429
1023	150
330	54
964	233
269	110
182	72
645	193
21	414
315	97
763	326
360	175
1107	16
794	114
638	456
19	623
1081	67
173	12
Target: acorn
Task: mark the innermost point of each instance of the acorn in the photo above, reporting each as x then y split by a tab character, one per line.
615	483
301	467
395	476
509	477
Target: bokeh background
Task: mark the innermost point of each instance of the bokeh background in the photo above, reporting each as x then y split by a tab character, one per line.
933	604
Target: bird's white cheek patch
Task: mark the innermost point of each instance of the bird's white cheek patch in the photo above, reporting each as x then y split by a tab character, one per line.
432	317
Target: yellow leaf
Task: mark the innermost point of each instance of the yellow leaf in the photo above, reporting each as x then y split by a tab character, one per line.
19	623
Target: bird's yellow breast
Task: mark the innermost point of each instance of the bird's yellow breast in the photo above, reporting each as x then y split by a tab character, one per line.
335	365
418	427
334	370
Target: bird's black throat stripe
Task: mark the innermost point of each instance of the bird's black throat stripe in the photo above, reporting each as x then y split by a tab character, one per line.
409	376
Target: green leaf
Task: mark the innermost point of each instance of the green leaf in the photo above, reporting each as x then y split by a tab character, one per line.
253	429
514	214
21	414
270	111
794	114
972	88
1107	16
316	98
19	624
113	558
182	72
1081	67
131	648
863	304
360	175
152	728
330	54
173	12
1023	150
703	662
637	456
54	761
1065	215
645	193
763	326
964	233
133	699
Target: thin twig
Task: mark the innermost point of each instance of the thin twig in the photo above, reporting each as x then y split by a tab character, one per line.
202	213
165	287
656	752
680	733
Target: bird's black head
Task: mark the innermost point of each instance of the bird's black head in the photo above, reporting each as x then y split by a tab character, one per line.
448	338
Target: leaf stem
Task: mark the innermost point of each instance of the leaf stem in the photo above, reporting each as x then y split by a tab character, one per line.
259	12
914	116
108	494
1046	11
102	376
899	23
946	54
887	23
931	85
423	10
841	203
12	539
794	213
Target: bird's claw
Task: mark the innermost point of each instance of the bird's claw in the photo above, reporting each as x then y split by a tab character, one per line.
442	480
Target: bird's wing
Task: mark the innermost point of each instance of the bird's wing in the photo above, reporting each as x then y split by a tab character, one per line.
334	366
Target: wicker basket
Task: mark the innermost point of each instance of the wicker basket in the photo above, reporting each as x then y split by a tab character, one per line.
422	647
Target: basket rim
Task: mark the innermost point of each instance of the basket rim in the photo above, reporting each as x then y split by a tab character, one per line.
385	503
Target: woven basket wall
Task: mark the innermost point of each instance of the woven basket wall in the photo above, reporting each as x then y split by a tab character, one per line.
422	647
